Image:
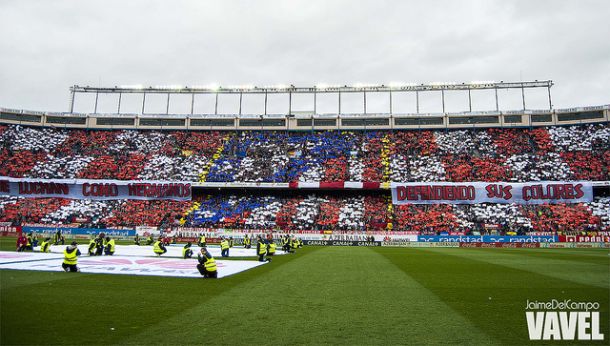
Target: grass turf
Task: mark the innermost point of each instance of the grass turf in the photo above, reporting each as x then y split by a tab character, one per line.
319	295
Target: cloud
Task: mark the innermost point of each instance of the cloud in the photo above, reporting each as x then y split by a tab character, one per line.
48	46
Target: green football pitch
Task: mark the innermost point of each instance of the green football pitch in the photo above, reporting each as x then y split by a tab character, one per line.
320	295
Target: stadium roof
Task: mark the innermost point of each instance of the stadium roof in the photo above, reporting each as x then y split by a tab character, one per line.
319	88
390	88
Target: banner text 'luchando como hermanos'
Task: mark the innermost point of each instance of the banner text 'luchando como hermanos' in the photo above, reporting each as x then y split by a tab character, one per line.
497	192
95	189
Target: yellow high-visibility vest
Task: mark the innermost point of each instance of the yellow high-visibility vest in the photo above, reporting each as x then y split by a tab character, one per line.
210	265
70	257
224	244
157	247
111	244
262	249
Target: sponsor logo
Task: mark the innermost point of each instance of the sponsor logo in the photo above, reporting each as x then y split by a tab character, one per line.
10	231
487	239
499	245
317	242
341	243
418	244
575	245
563	320
81	231
368	243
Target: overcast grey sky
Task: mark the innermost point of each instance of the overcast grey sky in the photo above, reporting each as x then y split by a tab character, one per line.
46	46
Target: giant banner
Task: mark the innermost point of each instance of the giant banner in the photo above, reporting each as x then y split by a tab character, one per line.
95	189
497	192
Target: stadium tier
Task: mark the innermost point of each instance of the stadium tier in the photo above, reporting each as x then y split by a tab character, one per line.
555	153
507	154
322	212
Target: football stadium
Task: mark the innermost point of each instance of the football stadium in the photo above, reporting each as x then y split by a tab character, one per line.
137	217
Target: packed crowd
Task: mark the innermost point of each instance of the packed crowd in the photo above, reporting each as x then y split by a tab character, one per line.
309	212
554	153
124	155
90	213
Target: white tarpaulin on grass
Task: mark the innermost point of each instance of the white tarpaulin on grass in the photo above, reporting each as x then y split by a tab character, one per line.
135	266
12	256
172	250
133	262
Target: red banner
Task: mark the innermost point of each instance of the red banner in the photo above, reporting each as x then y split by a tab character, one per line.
10	231
584	238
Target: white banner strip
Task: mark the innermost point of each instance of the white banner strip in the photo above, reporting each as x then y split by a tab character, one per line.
353	185
309	185
95	189
496	192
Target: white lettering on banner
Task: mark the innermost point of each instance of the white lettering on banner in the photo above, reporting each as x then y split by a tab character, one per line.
95	189
496	192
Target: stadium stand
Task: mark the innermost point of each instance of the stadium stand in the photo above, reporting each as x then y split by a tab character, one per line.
310	212
579	152
555	153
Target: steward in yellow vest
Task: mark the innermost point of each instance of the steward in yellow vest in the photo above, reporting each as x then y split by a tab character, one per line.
271	248
159	248
247	242
261	249
207	264
45	246
70	258
294	244
99	244
92	247
58	238
201	241
109	249
28	246
286	243
224	247
187	252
